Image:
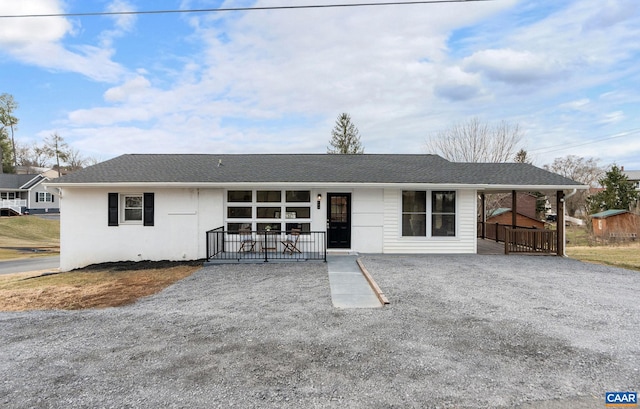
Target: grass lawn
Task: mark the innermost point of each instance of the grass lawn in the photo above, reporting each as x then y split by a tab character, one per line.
622	255
582	246
96	287
29	232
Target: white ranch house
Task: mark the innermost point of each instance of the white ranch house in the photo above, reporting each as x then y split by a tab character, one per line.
160	207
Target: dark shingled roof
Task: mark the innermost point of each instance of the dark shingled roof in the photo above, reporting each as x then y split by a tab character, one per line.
309	168
15	182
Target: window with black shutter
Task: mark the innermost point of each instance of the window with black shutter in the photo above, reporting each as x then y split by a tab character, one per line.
113	209
148	209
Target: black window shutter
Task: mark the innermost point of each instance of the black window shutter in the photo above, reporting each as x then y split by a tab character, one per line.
36	197
113	209
52	198
148	209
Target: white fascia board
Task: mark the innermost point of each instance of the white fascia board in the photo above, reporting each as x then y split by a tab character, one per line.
315	185
530	188
229	185
24	189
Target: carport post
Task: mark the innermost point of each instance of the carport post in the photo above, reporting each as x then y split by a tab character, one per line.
560	222
514	209
483	216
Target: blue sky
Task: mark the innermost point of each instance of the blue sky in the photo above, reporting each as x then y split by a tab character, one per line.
567	72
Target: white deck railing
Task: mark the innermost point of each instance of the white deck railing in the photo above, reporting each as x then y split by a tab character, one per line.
15	204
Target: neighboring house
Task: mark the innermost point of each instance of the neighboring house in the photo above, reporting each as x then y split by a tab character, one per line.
527	204
33	170
504	216
25	194
159	207
615	224
633	176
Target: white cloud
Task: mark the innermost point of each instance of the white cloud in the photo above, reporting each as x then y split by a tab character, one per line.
511	66
577	105
39	41
129	90
612	117
123	23
21	32
457	85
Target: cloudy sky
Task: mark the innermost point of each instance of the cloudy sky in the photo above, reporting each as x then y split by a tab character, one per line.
567	72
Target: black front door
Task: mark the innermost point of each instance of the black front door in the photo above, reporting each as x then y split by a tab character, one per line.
339	220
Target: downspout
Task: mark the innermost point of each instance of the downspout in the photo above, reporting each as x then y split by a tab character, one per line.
564	213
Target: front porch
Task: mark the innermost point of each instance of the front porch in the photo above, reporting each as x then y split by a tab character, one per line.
13	207
264	246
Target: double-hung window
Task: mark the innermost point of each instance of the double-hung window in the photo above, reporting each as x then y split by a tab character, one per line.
131	208
427	213
414	213
443	214
44	197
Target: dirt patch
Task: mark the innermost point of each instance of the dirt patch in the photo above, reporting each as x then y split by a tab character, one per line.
97	286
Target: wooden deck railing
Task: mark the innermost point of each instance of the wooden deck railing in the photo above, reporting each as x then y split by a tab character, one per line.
518	240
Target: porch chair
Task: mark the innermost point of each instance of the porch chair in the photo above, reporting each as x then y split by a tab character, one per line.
247	242
291	242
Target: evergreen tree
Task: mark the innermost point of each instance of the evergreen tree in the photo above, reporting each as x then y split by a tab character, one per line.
8	124
345	137
618	192
5	151
522	157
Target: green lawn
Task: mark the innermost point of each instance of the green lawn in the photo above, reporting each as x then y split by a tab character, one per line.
30	232
582	246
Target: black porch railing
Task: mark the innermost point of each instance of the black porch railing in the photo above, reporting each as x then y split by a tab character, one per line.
265	245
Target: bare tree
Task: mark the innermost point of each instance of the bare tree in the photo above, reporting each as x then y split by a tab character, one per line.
585	171
56	148
476	141
75	160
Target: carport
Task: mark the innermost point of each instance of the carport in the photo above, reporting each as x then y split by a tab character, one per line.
519	239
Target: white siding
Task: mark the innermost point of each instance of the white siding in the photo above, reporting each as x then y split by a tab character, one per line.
367	220
182	216
464	242
42	206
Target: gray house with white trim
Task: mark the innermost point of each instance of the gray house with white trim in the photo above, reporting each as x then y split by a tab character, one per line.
25	194
159	207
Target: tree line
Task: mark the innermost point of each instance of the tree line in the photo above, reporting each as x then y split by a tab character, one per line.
52	151
469	141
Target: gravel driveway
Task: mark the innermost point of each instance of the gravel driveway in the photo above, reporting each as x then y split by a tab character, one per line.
460	332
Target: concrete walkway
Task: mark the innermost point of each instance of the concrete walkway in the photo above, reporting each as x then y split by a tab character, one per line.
349	288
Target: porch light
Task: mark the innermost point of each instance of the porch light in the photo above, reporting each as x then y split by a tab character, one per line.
319	200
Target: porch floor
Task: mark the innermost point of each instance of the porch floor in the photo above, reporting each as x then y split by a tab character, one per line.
486	247
259	257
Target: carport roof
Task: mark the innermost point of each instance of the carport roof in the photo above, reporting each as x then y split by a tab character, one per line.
311	169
